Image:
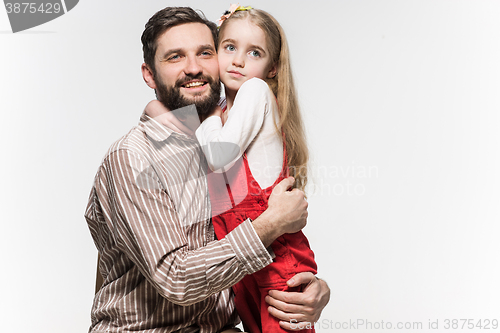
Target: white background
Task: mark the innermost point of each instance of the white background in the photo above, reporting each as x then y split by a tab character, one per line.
401	102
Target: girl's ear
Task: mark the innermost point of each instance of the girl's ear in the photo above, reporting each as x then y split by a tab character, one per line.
273	71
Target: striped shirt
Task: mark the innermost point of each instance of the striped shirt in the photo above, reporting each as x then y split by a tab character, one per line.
149	216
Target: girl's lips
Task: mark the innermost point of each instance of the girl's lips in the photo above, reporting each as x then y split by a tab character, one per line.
235	73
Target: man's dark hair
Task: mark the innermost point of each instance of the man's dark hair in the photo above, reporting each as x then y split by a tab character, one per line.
167	18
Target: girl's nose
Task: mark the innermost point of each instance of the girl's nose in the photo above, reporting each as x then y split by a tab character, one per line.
238	60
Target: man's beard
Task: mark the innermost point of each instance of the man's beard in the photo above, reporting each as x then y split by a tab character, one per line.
171	96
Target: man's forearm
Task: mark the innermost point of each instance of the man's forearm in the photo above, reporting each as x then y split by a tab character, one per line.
267	228
146	225
286	213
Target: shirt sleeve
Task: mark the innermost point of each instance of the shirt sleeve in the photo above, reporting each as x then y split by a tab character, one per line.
146	227
223	145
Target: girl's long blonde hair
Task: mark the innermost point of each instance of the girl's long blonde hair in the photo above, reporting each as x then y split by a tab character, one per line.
282	86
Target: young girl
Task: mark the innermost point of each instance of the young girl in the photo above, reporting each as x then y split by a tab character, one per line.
261	142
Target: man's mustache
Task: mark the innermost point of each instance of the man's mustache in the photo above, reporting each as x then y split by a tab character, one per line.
189	77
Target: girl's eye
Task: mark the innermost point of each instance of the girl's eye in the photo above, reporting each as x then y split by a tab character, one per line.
255	53
230	48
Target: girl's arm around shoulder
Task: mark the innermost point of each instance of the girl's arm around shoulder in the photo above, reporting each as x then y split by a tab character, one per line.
254	96
224	144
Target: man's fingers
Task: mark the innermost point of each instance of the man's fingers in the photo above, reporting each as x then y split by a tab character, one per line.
297	310
284	185
296	326
292	303
305	300
291	321
282	306
289	297
301	278
286	316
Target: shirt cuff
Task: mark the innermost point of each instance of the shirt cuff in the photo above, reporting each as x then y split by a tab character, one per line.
250	251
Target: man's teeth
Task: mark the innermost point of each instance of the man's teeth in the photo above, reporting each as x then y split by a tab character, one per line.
194	84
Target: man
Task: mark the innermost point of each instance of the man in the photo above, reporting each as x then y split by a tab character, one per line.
149	212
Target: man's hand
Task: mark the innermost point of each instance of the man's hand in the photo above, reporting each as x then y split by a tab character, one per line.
155	109
299	310
286	213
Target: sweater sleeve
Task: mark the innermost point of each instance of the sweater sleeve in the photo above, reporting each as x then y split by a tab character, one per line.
223	145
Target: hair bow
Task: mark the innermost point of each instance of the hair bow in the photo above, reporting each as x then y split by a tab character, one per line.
232	9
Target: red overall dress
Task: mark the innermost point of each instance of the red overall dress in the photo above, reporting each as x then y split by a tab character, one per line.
236	196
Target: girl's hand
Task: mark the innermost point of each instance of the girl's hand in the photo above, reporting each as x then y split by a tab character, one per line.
216	112
155	109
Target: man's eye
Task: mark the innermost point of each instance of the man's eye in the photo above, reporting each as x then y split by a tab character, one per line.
174	57
255	53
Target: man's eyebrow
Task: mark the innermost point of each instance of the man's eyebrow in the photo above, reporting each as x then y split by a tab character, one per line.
206	47
169	52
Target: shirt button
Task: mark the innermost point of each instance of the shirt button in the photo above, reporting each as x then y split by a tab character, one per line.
261	202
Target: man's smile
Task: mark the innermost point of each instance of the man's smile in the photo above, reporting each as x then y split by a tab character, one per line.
194	84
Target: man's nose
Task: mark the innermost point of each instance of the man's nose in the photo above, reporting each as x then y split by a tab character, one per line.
193	66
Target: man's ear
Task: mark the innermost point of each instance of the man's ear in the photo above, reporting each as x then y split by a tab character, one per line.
147	75
272	71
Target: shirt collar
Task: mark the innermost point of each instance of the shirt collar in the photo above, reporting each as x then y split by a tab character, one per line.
160	132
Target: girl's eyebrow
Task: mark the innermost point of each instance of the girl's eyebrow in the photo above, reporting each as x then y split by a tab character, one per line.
228	40
258	48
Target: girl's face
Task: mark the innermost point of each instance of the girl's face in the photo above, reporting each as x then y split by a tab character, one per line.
243	54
